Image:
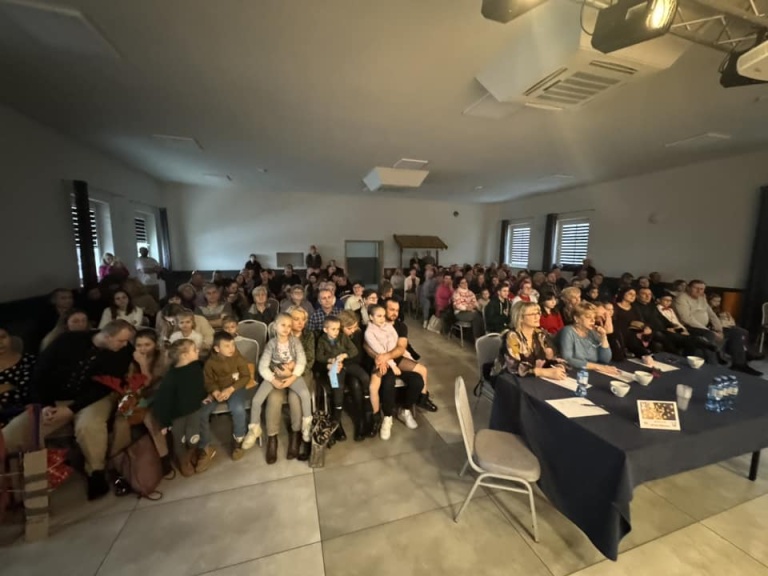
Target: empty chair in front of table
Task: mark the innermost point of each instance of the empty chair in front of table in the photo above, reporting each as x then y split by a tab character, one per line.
487	348
496	455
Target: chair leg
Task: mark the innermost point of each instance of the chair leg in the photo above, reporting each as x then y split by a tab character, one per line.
533	513
762	341
469	497
464	468
477	402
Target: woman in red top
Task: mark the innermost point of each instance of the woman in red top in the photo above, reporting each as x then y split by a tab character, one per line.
443	294
551	321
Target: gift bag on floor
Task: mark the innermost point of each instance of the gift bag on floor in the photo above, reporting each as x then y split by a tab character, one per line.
322	430
140	465
435	324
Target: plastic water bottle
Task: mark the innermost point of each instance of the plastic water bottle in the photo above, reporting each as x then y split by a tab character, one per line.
733	391
712	403
722	394
582	379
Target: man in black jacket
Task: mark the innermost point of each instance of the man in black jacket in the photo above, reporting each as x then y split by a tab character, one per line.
497	311
64	382
664	332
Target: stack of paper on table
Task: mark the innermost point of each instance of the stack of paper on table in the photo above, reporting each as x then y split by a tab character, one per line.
567	383
660	366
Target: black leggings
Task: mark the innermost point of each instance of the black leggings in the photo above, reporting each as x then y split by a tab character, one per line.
414	383
352	378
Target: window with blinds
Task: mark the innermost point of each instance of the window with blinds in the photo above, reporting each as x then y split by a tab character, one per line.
140	227
572	241
518	245
76	227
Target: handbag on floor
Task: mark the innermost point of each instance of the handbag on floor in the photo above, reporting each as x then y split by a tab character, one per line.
140	466
435	324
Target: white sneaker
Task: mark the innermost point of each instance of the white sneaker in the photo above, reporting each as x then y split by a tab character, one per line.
406	417
425	324
386	428
306	428
254	433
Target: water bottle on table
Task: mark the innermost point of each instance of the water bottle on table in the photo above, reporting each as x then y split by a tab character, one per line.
582	379
713	395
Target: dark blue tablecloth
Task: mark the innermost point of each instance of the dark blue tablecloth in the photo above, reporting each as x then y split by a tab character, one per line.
590	466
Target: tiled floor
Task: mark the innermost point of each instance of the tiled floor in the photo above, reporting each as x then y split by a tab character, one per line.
381	508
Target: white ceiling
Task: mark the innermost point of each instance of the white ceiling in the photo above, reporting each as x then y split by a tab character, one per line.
319	92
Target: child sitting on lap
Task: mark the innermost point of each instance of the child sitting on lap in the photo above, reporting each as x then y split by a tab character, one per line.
281	366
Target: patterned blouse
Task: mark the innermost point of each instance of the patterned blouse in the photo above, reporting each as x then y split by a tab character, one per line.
17	379
520	357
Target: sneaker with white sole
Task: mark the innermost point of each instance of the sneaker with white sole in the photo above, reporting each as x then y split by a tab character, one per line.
254	433
406	417
386	428
425	324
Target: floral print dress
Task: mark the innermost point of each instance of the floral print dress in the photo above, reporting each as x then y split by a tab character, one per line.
520	357
14	387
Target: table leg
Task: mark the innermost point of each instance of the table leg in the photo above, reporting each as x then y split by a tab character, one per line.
754	465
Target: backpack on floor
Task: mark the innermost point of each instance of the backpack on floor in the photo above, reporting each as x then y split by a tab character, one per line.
140	465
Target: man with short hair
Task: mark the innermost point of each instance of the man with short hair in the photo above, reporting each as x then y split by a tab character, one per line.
355	302
665	333
327	306
656	286
695	313
66	383
497	311
313	261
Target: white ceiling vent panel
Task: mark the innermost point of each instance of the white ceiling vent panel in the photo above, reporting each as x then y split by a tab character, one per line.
550	60
381	178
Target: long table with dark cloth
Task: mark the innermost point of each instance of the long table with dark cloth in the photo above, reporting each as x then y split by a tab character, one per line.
590	466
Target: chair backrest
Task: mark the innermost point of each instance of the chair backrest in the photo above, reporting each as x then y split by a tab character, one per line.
345	298
466	423
273	303
249	349
487	348
765	313
254	330
271	331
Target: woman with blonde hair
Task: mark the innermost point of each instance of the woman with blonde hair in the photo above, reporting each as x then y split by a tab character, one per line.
527	348
585	345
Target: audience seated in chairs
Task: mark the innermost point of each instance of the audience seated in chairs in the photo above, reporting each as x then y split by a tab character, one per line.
551	320
664	335
122	308
141	297
358	369
570	297
525	292
296	298
214	309
328	306
64	383
236	298
634	334
443	295
695	313
370	297
355	301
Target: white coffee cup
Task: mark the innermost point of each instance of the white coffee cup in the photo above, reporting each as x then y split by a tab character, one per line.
643	378
619	388
695	362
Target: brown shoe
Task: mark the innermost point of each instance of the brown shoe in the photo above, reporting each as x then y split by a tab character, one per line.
304	450
272	449
237	451
186	468
293	445
204	457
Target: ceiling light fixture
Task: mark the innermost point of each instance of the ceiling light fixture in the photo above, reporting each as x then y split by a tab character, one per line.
179	142
630	22
507	10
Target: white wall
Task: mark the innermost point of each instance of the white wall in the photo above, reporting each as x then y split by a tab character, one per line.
38	252
705	220
219	228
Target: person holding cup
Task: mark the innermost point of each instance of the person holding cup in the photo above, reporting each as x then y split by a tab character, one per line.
527	348
585	345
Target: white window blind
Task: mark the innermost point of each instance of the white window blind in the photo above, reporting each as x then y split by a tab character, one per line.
140	226
76	227
572	241
518	245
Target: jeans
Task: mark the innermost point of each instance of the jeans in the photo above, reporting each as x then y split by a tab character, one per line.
236	405
186	433
734	343
299	387
275	409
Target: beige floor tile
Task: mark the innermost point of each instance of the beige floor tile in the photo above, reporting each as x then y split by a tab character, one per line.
432	543
652	517
225	474
77	551
304	561
694	550
708	491
740	464
353	497
202	534
746	527
70	504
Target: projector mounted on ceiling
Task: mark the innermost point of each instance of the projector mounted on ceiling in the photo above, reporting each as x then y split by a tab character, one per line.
381	178
754	63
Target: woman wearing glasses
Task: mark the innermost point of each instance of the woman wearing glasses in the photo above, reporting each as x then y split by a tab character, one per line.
527	348
584	345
